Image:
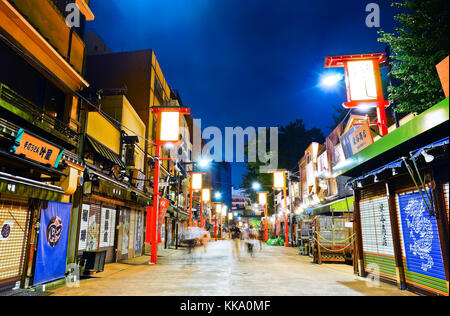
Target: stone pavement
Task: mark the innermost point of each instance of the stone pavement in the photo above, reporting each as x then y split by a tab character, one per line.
275	271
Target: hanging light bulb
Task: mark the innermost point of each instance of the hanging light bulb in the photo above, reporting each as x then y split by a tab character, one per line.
394	172
375	178
428	158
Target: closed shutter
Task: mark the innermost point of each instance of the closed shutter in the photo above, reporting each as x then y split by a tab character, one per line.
107	232
421	246
94	227
446	197
14	224
378	246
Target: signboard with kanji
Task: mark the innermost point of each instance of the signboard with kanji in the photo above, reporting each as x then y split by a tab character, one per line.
36	149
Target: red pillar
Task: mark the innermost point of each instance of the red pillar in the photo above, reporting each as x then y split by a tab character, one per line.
382	120
201	213
286	231
266	225
215	225
154	214
190	206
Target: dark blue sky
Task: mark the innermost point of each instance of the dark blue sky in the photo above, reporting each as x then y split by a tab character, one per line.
245	62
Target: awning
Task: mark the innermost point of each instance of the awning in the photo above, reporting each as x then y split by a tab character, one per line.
433	123
29	188
106	152
399	162
439	143
339	206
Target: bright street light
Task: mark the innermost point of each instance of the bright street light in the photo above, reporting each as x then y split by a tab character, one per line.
218	195
204	163
256	186
331	80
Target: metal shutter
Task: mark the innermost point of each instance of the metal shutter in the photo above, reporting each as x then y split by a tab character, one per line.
94	227
446	197
14	224
378	246
421	246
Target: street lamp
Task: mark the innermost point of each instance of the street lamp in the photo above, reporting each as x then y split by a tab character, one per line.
206	197
363	81
168	132
217	195
256	186
218	211
279	183
262	200
196	185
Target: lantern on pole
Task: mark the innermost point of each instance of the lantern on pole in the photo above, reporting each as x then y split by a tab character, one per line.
262	200
168	131
218	211
363	81
279	183
196	185
206	198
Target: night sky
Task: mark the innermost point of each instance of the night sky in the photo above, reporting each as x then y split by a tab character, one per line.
245	62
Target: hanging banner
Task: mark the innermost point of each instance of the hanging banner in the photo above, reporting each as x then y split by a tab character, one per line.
52	247
163	205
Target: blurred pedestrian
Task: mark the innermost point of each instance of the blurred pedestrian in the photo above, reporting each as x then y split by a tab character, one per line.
236	236
261	236
204	239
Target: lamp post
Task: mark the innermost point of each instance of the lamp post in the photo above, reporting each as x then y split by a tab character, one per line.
196	185
206	197
363	81
262	201
218	210
168	132
279	183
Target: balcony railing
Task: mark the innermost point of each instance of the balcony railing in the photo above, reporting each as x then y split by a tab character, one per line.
35	115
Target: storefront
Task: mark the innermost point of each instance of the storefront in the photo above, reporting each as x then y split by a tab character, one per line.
402	216
112	219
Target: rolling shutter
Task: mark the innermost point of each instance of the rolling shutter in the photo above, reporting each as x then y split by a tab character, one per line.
421	247
14	231
378	246
446	197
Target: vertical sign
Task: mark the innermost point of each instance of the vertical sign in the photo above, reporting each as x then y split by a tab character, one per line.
52	247
84	227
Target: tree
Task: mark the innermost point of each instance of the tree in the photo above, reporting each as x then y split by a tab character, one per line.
293	139
418	46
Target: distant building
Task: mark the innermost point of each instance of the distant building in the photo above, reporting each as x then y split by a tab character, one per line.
221	181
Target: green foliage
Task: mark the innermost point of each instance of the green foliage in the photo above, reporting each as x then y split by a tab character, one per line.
293	139
418	45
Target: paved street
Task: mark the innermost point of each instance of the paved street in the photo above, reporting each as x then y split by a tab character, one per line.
275	271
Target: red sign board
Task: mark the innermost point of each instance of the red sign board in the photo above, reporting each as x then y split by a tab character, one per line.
163	206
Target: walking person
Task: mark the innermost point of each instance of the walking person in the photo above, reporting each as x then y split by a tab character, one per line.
261	237
236	237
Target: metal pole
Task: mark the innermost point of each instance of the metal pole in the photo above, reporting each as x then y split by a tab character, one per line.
215	225
266	224
201	212
190	205
286	230
290	210
155	209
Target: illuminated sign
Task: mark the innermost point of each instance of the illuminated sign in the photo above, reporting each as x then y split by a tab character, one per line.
361	77
196	181
262	198
279	180
36	149
170	127
206	195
